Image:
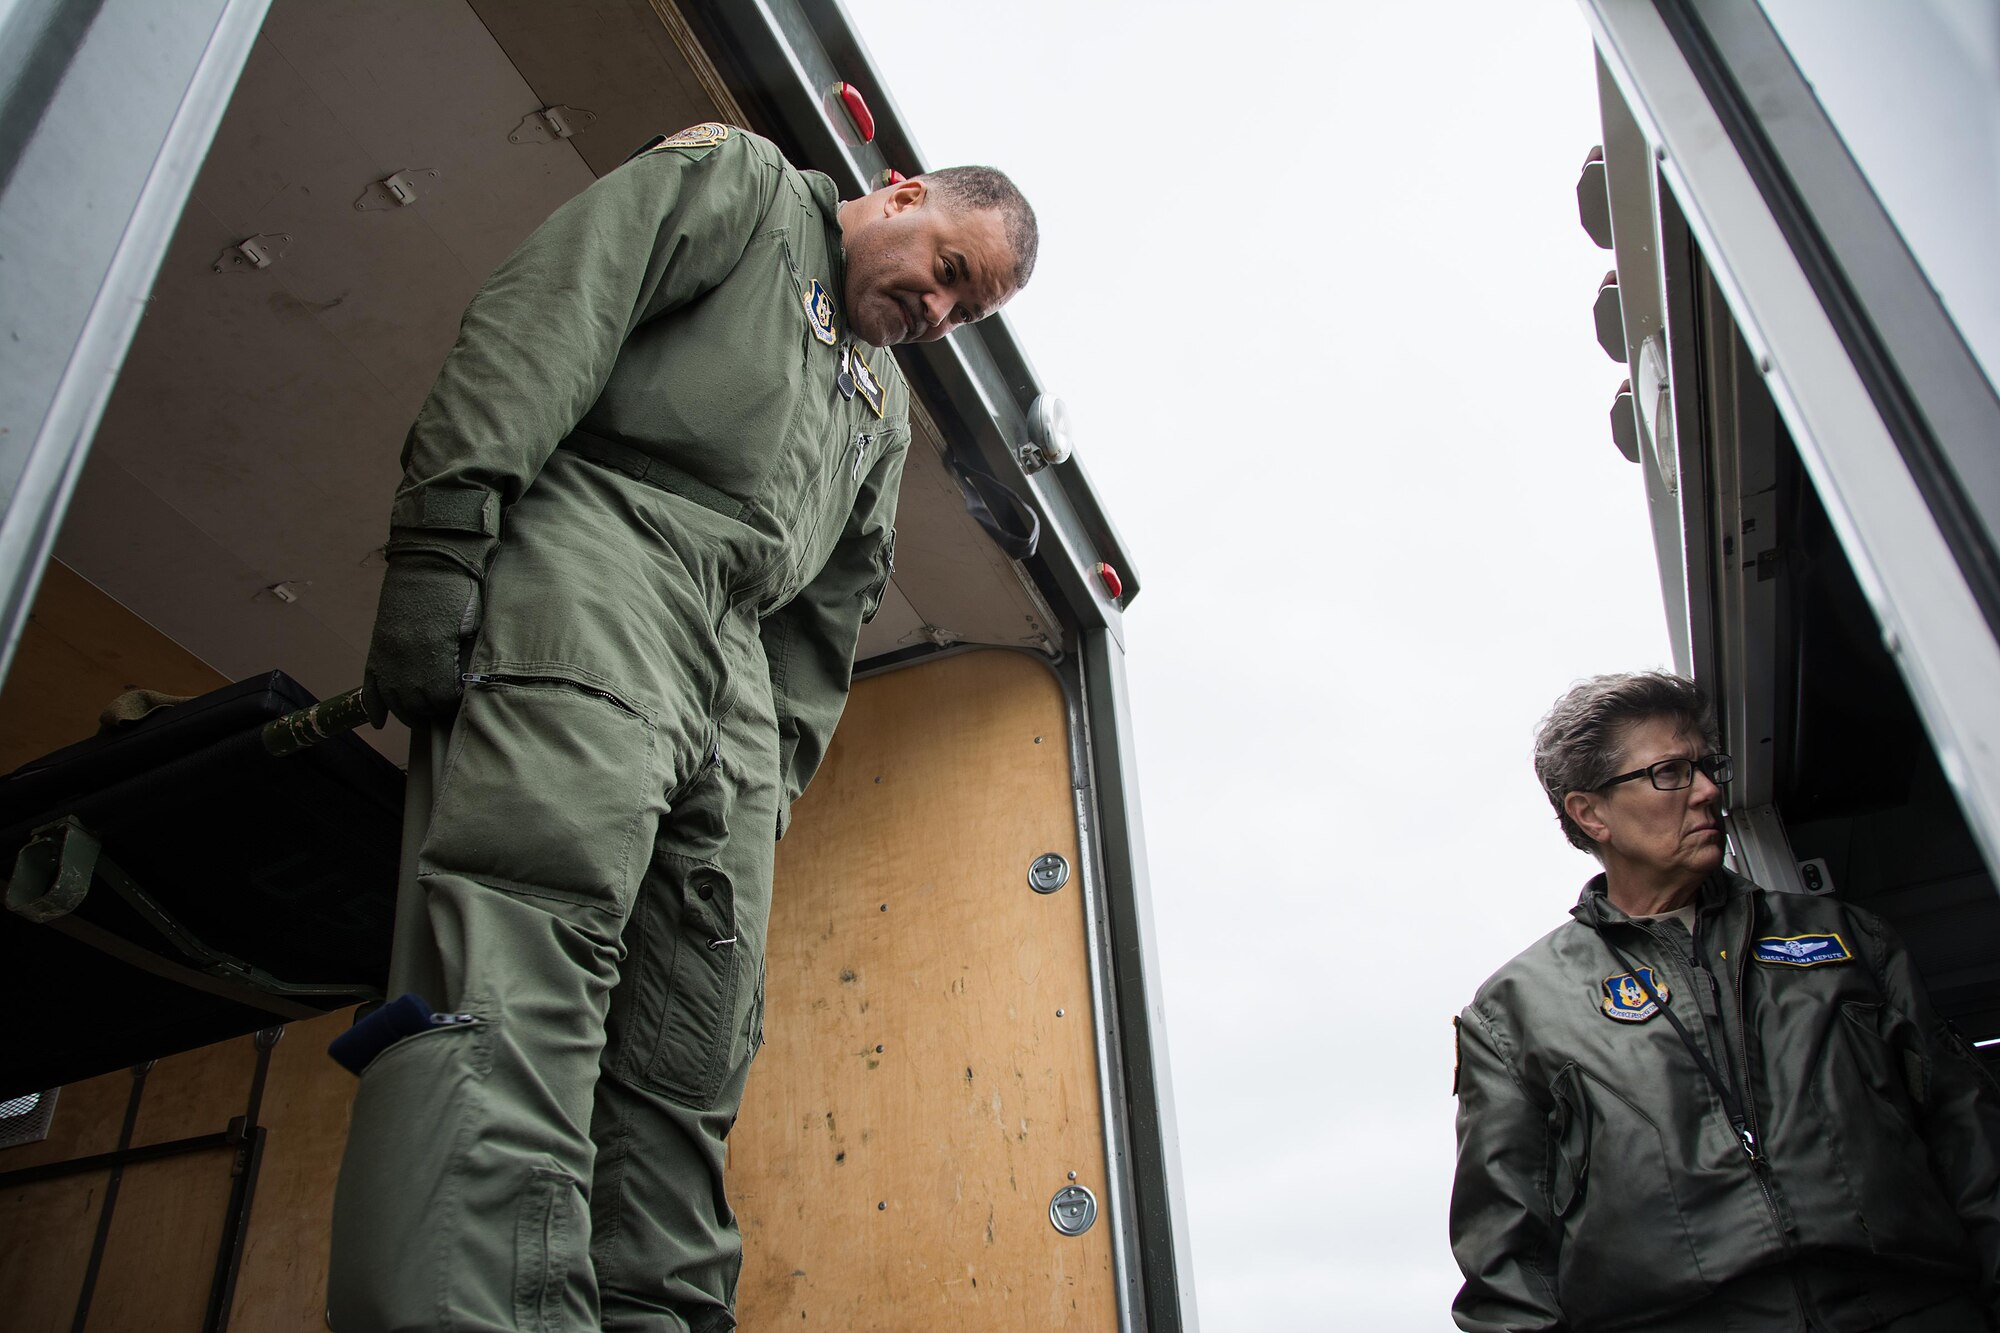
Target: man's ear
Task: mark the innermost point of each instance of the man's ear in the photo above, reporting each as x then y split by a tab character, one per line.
1581	807
904	195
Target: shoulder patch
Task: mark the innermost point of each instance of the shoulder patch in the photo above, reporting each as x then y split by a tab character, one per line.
1625	999
705	135
1803	950
819	312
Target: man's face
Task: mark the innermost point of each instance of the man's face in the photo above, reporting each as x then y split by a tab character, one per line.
1662	830
918	268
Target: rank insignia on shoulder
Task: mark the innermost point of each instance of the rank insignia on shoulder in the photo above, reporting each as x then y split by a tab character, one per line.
869	387
819	312
705	135
1625	999
1803	950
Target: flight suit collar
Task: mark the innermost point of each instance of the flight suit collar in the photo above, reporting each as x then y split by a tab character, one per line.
1594	907
827	198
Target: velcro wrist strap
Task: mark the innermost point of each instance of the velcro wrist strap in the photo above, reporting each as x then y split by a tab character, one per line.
466	552
448	509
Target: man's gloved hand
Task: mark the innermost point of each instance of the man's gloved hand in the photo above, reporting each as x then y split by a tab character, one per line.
430	605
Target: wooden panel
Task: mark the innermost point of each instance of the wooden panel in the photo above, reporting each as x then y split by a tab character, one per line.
920	1100
88	1116
196	1092
160	1256
169	1218
45	1235
79	651
281	1287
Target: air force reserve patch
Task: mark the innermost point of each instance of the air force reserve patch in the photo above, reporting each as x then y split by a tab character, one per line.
1803	950
819	312
1626	1000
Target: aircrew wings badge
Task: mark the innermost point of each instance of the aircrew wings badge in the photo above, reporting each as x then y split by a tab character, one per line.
1625	999
1802	950
705	135
819	312
870	387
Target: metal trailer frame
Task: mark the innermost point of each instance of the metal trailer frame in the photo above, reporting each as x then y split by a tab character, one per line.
175	66
1711	133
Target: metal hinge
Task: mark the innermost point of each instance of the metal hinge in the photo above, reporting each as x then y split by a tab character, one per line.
397	191
257	252
551	123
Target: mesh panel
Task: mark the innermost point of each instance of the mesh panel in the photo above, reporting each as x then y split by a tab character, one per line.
25	1119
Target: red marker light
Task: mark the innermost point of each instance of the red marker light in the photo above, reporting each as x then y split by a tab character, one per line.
857	111
1109	578
889	176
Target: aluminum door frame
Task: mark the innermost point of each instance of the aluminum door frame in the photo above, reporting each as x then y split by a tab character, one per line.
1930	614
124	98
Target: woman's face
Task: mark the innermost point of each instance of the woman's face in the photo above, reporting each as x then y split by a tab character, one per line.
1664	831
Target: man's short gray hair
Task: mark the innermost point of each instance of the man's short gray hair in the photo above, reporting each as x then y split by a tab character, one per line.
1580	744
968	188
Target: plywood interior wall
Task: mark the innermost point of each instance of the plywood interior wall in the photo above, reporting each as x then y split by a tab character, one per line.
930	1077
78	652
168	1219
919	1103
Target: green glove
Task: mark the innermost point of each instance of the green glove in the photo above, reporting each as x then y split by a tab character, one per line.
430	606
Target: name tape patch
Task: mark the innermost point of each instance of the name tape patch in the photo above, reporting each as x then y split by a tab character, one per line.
1802	950
1626	1000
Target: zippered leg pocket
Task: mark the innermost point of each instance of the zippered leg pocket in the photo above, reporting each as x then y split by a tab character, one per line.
550	789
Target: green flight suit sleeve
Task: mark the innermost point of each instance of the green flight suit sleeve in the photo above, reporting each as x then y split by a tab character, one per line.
1958	1100
809	642
539	341
1502	1232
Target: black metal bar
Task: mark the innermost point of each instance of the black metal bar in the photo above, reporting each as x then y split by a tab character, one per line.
117	1165
123	1157
249	1136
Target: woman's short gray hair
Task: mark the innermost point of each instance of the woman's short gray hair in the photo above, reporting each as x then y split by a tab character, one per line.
1579	745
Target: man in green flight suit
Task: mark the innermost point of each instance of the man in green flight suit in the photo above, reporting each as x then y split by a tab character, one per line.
653	491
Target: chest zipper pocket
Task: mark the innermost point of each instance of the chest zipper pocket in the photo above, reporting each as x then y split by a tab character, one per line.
1569	1140
864	440
472	678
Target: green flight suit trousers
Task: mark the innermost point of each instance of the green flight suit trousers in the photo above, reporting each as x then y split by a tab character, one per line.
597	877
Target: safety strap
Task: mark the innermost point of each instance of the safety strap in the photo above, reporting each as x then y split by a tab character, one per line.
1731	1103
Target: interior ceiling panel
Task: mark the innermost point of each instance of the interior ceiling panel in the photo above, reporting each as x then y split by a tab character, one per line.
614	58
254	435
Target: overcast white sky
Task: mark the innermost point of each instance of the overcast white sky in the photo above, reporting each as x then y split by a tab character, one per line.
1313	285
